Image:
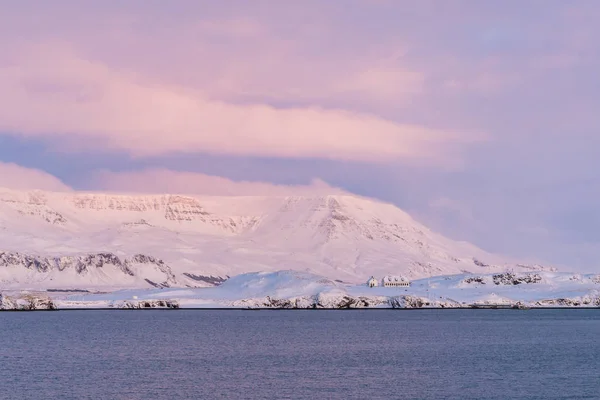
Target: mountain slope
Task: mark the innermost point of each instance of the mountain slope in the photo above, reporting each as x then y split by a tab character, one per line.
202	238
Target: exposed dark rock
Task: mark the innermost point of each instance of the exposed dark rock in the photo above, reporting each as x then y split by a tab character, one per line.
347	302
558	302
509	278
586	301
98	260
157	285
280	303
353	302
146	304
520	305
313	302
474	279
83	264
26	302
181	208
406	301
212	280
152	283
144	259
480	263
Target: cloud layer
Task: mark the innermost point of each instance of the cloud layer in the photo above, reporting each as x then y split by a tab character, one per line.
82	100
263	99
167	181
13	176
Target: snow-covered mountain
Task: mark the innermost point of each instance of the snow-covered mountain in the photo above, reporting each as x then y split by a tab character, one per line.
58	240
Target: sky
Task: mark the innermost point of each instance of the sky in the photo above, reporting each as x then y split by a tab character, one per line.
478	117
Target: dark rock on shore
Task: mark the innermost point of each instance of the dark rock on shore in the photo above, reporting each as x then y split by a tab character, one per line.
26	302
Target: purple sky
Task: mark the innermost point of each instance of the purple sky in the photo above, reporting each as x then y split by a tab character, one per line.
477	116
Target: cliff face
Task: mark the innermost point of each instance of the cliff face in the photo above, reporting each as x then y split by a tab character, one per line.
173	208
90	269
66	209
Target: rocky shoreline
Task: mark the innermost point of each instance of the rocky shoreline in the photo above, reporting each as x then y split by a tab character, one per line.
405	302
26	303
30	302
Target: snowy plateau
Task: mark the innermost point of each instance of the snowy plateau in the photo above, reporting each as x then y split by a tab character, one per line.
78	250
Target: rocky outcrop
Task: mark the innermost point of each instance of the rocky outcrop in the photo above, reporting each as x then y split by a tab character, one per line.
181	208
25	302
509	278
480	263
33	204
145	304
590	300
474	280
85	263
211	280
345	301
45	213
407	301
327	301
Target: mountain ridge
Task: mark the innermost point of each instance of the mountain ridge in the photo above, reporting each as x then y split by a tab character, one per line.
340	236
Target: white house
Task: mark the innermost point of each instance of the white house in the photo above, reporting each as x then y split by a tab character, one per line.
395	281
372	282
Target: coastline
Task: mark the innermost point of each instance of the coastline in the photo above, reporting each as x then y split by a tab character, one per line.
300	290
303	309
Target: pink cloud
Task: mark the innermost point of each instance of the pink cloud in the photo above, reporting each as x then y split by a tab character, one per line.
167	181
49	90
13	176
265	80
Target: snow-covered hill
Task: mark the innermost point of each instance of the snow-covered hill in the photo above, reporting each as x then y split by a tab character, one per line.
84	240
294	289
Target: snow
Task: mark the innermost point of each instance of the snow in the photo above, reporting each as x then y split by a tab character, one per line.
98	250
293	289
340	237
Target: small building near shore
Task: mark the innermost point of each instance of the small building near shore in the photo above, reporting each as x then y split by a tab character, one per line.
395	281
372	282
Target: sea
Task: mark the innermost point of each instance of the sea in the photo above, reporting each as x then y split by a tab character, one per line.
300	354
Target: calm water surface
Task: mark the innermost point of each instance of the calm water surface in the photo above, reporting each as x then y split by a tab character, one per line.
445	354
